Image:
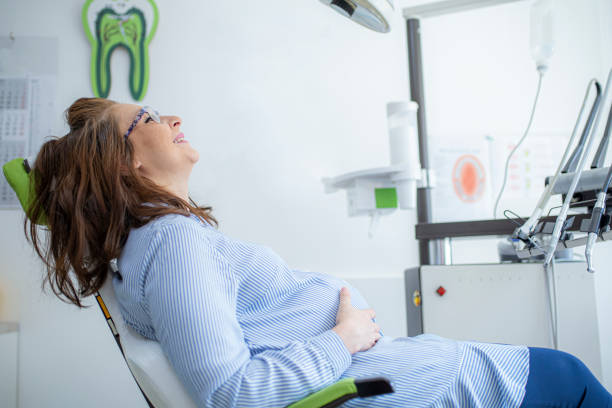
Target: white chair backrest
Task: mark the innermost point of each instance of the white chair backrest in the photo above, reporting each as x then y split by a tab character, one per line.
146	360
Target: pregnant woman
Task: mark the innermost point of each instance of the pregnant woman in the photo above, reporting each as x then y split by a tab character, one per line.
240	327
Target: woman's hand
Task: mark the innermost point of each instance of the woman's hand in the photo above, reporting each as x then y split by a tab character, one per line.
355	327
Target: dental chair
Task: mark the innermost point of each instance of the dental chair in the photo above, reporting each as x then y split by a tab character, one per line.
144	357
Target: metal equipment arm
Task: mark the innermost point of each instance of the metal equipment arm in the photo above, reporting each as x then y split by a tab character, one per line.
524	232
563	214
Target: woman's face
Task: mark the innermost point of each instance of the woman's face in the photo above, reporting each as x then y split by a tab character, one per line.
160	152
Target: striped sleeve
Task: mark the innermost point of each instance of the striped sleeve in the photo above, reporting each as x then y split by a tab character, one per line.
190	293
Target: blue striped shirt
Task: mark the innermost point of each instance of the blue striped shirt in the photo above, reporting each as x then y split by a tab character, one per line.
243	329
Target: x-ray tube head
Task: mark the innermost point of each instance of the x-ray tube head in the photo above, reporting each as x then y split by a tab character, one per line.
373	14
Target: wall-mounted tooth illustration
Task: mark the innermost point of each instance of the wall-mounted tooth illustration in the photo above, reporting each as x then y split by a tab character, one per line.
110	24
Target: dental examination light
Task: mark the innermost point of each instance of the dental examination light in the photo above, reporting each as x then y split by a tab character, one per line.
570	193
373	14
542	46
525	232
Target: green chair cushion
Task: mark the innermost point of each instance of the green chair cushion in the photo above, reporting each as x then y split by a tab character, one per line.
22	181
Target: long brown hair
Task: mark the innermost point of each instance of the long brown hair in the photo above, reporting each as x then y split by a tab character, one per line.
91	197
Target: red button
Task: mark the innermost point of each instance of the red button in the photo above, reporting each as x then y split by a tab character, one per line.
441	291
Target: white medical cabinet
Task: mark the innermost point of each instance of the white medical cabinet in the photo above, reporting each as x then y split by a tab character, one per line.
506	303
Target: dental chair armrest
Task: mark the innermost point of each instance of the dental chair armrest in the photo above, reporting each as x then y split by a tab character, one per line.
344	390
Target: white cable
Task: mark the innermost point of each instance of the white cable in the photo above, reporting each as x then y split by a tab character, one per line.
373	224
551	314
551	286
535	103
552	304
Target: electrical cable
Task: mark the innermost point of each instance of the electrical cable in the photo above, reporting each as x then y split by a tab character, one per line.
532	240
573	205
515	216
551	290
553	208
535	103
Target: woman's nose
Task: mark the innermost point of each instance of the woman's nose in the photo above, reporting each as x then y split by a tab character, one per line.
172	121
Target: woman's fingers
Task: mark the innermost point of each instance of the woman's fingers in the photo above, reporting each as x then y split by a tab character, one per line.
345	297
356	327
377	337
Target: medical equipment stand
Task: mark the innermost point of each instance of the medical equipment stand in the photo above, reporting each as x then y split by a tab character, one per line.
431	252
471	306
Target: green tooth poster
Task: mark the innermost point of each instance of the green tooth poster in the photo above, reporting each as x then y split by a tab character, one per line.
110	24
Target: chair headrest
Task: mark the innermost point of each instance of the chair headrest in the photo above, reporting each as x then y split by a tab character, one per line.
21	179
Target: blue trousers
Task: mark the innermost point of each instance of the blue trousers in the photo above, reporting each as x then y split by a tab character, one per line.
557	379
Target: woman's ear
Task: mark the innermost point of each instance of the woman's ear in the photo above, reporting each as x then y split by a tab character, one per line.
124	168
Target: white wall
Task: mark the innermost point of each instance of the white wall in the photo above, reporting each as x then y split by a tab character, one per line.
276	95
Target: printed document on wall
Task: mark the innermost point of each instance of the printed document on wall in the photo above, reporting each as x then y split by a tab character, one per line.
470	169
26	118
463	188
28	78
536	159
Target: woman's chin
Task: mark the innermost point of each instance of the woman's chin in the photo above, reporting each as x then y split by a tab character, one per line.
194	155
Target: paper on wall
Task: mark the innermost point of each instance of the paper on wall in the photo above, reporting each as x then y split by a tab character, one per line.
26	118
28	76
461	165
536	159
470	170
